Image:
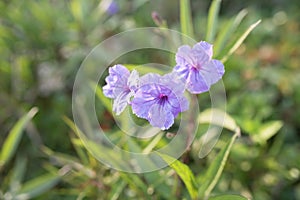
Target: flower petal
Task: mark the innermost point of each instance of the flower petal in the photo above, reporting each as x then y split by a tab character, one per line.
149	79
182	71
200	55
143	100
196	83
116	81
133	81
160	117
108	91
213	72
173	82
121	102
184	55
204	46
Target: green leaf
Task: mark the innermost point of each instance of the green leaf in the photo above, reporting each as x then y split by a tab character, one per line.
228	197
14	137
217	117
212	21
135	181
79	148
117	190
144	69
266	131
215	170
227	31
186	19
238	43
18	173
184	173
214	117
38	186
65	159
76	9
100	152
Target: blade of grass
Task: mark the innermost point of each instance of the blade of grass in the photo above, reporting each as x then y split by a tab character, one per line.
228	29
217	117
64	159
14	137
37	186
153	143
100	152
212	21
184	172
117	190
18	173
228	197
266	131
186	19
238	43
215	170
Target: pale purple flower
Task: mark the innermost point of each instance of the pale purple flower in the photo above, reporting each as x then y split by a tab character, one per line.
121	86
159	99
113	8
196	67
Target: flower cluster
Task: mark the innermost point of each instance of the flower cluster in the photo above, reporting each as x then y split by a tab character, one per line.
159	99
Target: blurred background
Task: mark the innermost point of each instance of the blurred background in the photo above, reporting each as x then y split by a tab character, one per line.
43	43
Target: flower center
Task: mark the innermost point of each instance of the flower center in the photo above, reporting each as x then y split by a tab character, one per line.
196	67
162	98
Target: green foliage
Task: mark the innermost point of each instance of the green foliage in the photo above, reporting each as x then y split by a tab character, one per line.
228	197
214	171
12	141
184	173
240	40
186	18
212	21
37	186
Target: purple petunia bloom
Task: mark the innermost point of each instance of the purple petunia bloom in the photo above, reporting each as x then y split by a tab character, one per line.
159	99
196	67
121	86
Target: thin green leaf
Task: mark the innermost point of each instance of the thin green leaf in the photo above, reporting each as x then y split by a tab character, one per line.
266	131
153	143
117	190
76	9
144	69
214	117
227	31
38	186
18	173
228	197
135	182
238	43
64	159
79	147
14	137
215	170
184	173
217	117
212	21
186	19
99	151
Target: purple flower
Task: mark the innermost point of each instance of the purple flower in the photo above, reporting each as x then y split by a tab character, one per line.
159	99
113	8
121	86
196	67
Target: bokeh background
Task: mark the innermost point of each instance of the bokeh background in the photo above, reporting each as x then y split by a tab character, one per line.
43	43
